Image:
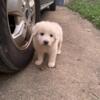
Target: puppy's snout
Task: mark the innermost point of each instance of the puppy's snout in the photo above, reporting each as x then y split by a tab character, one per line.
46	42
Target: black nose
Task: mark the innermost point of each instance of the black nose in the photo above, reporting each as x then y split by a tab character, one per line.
45	42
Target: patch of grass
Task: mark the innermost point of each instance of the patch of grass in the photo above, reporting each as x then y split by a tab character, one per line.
90	9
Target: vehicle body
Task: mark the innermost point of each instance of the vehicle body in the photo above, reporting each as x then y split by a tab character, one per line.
17	17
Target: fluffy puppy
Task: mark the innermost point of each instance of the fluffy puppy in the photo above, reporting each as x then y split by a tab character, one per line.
47	38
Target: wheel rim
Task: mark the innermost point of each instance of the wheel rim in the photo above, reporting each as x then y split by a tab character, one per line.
21	16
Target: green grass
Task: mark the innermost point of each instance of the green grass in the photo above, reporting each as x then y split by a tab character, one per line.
89	9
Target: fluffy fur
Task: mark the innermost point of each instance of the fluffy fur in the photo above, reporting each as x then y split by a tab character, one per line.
48	37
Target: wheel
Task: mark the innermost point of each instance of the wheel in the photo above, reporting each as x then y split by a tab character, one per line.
16	18
53	6
37	11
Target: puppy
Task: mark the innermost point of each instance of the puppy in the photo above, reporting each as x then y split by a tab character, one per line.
47	38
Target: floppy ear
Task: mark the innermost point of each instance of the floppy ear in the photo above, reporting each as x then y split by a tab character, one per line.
56	34
35	29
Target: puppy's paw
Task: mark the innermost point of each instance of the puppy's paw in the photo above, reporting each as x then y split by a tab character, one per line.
59	52
38	62
51	64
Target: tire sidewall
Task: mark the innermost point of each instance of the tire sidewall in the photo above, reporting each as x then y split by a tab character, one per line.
14	58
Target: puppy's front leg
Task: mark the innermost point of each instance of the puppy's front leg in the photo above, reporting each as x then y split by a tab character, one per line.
52	59
40	58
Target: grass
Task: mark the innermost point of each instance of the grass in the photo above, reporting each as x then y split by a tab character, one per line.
89	9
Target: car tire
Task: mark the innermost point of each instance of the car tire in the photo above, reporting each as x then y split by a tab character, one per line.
53	6
12	59
38	12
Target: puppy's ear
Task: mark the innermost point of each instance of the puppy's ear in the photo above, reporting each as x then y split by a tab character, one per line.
35	29
58	33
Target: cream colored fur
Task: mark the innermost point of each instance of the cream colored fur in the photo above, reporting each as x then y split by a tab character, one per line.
51	33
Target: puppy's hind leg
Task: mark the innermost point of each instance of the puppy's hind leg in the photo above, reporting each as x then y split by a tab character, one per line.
59	47
40	57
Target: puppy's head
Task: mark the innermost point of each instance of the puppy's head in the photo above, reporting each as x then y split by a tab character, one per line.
45	38
44	34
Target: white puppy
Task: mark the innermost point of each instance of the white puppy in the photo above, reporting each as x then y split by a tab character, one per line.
47	38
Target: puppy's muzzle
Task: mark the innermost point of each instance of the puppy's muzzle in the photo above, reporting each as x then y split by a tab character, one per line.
46	42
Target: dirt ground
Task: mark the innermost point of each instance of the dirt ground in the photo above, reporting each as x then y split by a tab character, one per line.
77	72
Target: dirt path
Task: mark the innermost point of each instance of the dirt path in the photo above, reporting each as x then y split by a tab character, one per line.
77	73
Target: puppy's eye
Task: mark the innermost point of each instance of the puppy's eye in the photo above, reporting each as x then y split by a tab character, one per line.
41	34
51	35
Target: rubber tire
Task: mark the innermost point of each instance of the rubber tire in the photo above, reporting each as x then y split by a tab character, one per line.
12	59
37	9
53	6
